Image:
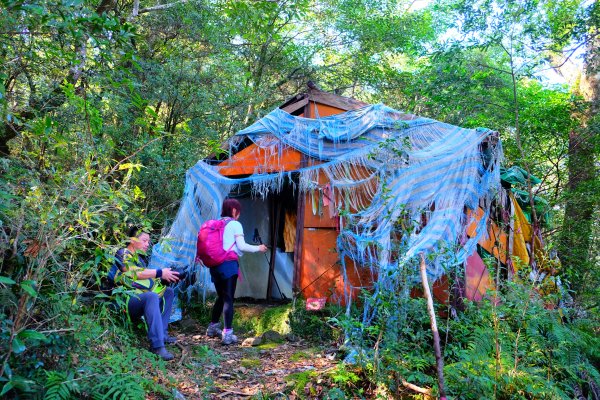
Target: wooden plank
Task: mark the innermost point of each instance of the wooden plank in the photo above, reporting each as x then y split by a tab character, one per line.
293	100
324	110
320	271
341	102
295	106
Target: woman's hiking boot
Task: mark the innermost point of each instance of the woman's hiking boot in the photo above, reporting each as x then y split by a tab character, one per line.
213	330
163	353
228	337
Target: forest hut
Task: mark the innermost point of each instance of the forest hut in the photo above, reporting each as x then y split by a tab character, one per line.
346	194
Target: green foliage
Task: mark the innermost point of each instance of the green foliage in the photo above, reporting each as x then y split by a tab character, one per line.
313	325
265	396
335	394
205	355
300	355
60	386
123	386
344	378
251	363
342	381
267	346
270	319
299	381
198	310
517	347
509	346
118	366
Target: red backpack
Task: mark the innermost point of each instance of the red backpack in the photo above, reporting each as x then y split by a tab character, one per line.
209	247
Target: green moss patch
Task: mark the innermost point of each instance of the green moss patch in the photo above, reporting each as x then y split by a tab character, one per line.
261	318
299	380
250	363
267	346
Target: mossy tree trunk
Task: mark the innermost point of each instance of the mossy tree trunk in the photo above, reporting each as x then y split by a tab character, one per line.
582	196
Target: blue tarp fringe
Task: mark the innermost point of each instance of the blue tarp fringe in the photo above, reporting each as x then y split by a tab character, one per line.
420	175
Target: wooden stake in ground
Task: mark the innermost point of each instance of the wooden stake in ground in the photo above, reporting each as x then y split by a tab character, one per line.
436	335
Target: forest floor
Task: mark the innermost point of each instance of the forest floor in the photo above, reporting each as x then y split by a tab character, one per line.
282	366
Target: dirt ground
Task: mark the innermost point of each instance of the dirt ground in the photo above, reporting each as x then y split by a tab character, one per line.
279	368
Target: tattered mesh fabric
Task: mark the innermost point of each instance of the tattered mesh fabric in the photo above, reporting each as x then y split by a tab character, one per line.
420	176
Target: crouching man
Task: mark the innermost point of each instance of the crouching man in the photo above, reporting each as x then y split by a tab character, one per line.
146	295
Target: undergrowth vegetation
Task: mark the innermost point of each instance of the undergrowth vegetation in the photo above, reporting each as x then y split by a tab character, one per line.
508	346
315	325
97	356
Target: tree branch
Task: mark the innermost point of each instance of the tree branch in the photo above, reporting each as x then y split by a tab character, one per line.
416	388
136	8
161	6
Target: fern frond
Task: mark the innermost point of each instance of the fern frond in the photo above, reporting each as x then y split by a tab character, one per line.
60	386
122	386
482	343
7	297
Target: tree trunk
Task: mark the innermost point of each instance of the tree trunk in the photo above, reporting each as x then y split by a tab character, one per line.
576	234
439	359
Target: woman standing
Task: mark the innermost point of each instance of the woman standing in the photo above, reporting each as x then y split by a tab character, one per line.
225	275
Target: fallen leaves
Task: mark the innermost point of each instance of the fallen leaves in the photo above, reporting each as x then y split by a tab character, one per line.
234	372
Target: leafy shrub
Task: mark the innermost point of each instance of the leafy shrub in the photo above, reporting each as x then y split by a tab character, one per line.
197	310
299	382
314	326
518	348
509	347
344	377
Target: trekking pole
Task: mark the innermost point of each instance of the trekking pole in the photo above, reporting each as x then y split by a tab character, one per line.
257	239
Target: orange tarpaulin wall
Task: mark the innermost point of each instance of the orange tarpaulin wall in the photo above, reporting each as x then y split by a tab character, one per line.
522	234
323	110
320	274
477	278
496	240
253	160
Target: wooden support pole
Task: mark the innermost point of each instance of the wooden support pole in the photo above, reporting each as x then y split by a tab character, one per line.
439	360
276	208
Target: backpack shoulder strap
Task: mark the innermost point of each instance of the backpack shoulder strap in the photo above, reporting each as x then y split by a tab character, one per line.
228	220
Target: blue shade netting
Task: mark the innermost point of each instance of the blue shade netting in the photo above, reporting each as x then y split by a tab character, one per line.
402	185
